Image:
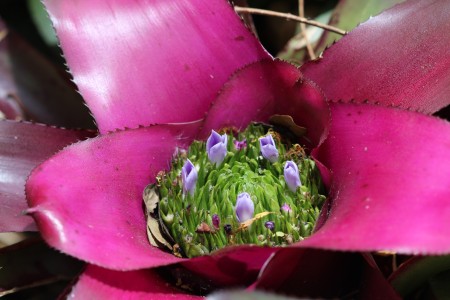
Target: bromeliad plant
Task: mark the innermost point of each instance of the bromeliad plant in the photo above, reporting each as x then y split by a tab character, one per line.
388	187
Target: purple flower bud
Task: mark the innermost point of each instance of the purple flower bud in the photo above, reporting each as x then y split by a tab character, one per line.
291	175
268	148
216	220
216	146
239	145
285	207
189	176
270	225
244	207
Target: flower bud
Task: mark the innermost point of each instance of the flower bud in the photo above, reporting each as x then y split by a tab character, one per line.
286	208
270	225
216	147
291	175
268	149
239	145
216	220
244	207
189	176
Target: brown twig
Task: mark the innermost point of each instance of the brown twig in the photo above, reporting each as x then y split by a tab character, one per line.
288	16
301	13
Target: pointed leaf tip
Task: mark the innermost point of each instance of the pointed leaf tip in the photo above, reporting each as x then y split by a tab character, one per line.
87	199
22	147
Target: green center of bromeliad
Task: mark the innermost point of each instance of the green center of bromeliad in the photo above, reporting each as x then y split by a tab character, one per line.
250	187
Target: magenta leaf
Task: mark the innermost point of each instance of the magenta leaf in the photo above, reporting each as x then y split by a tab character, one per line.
98	283
390	181
315	273
263	89
145	71
231	266
22	147
87	199
398	58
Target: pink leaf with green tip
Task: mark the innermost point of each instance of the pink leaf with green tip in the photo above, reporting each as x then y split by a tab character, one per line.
98	283
22	147
398	58
390	181
144	62
87	199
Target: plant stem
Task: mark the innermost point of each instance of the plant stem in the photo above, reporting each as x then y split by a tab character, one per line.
301	13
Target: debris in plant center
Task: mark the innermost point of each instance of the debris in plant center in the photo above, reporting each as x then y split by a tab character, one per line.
219	194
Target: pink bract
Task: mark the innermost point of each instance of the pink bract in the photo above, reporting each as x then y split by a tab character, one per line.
171	65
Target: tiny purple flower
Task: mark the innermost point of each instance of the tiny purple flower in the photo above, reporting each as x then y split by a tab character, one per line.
285	207
270	225
216	146
244	207
291	175
239	145
268	148
216	221
189	176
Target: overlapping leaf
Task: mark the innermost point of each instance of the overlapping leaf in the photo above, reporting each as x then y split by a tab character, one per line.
22	147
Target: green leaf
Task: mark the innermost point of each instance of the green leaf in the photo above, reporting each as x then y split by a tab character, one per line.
416	272
42	22
243	295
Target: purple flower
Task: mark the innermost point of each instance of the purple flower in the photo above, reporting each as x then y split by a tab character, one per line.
285	207
291	175
270	225
244	207
268	148
239	145
216	146
189	176
216	220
